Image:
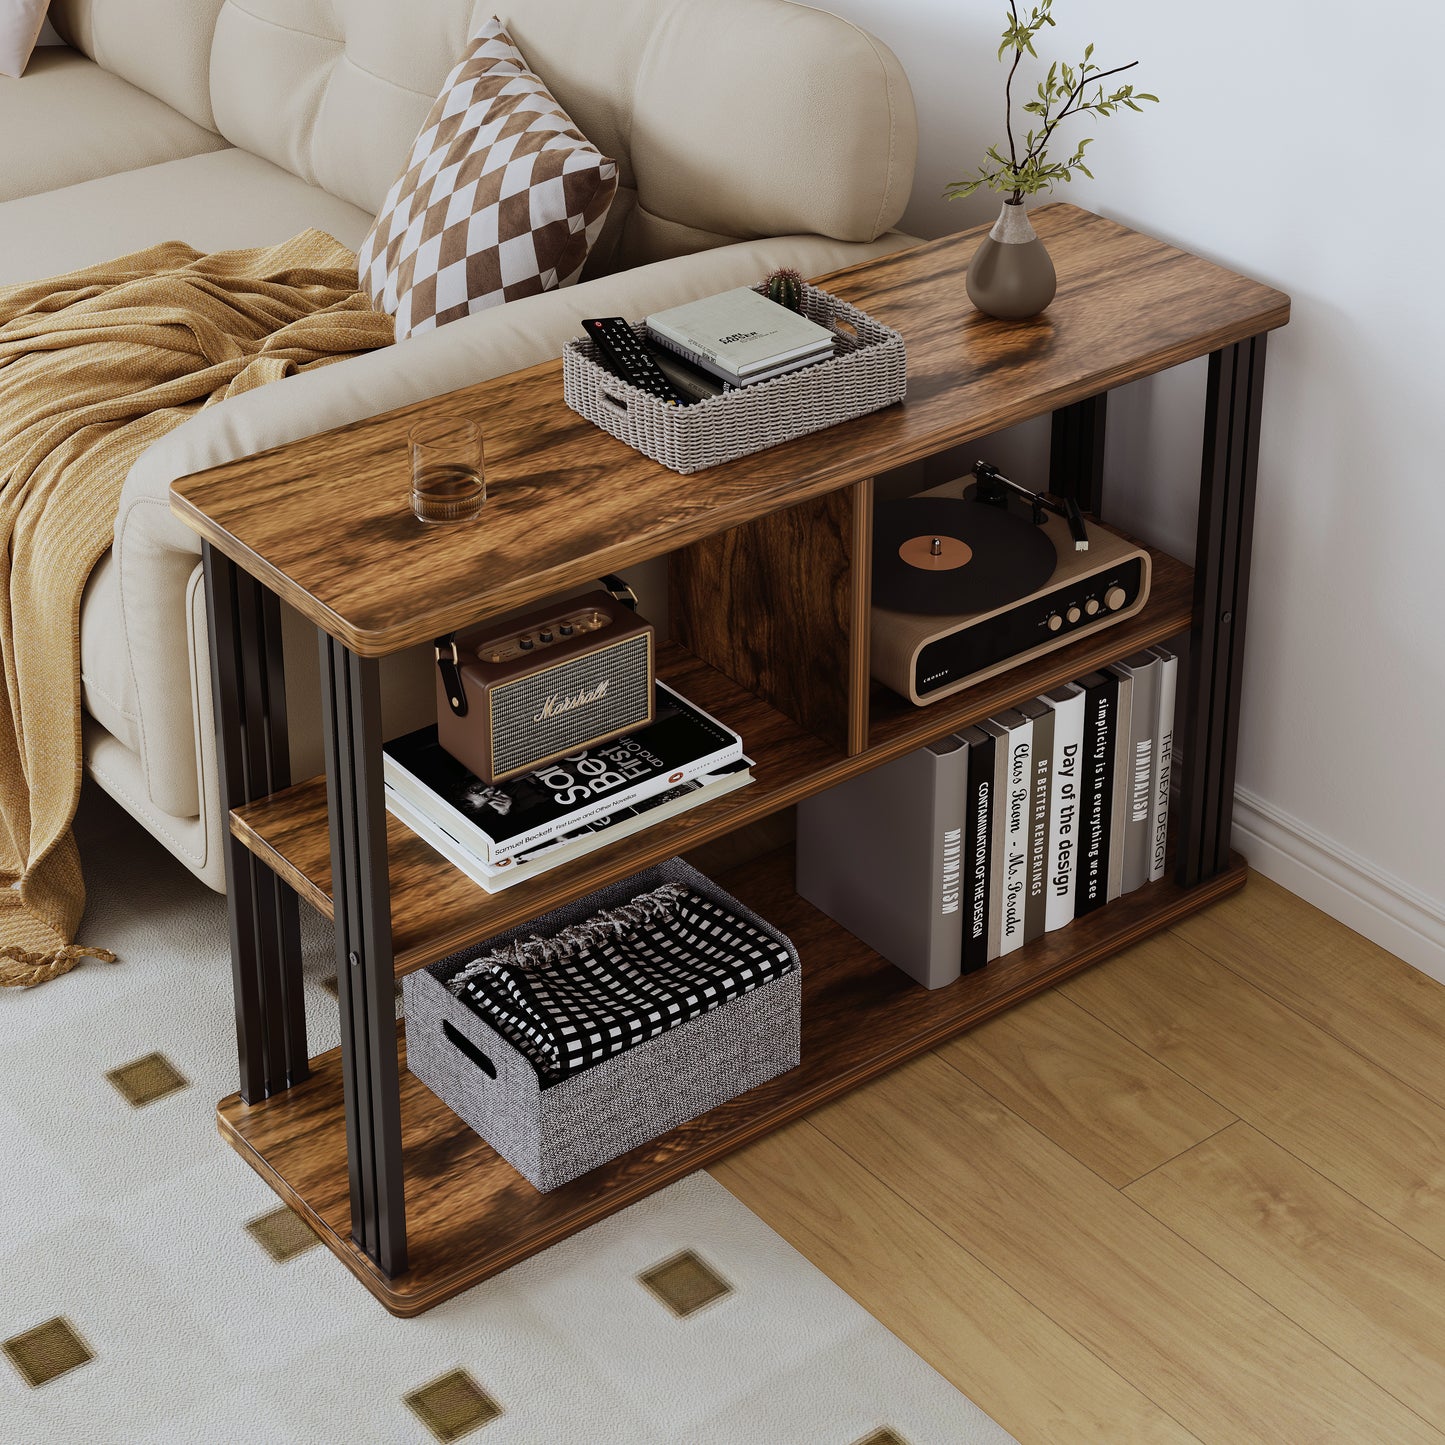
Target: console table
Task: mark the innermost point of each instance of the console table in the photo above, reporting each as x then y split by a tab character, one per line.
769	584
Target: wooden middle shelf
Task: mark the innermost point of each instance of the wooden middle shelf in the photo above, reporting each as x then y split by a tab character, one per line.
435	909
471	1215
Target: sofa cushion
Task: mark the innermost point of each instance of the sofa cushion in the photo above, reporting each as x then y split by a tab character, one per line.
69	120
733	119
161	46
215	202
502	196
107	684
20	26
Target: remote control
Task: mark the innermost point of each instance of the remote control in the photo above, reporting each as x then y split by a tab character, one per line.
623	354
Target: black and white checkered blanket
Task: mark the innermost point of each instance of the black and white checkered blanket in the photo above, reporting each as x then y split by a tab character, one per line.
623	976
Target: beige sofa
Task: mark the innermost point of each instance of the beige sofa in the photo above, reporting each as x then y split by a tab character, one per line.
749	134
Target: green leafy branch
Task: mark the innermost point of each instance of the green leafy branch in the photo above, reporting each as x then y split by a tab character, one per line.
1065	91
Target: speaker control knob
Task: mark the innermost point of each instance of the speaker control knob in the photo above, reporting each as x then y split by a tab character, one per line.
1073	614
545	636
566	629
1091	606
1055	622
526	644
1114	598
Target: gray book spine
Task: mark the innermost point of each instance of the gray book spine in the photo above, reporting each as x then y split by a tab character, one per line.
1163	760
882	855
1139	829
1119	812
997	835
1036	905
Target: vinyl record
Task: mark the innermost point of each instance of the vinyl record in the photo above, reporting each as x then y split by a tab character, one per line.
984	556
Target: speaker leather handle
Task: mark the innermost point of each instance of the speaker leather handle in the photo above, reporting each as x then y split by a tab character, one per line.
448	662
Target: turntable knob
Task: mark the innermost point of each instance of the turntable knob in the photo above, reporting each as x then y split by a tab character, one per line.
1091	606
545	636
1073	614
1114	598
525	643
1055	622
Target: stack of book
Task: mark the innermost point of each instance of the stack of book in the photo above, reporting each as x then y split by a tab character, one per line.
501	834
969	848
740	337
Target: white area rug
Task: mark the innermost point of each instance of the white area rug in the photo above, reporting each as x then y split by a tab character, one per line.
134	1236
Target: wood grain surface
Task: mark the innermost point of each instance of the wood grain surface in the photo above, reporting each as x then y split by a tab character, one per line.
1318	1255
435	909
1282	1074
469	1214
1005	1354
1108	1103
772	604
1123	1284
325	521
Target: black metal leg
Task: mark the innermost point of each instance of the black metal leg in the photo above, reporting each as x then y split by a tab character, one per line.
1221	594
248	687
1076	452
361	894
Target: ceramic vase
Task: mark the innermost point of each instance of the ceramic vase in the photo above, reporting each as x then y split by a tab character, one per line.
1011	275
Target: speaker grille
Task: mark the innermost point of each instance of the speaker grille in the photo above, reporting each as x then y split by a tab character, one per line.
518	739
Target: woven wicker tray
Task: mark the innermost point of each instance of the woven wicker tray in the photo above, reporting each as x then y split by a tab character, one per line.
866	372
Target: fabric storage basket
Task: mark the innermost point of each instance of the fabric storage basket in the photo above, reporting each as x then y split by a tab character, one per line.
866	373
552	1131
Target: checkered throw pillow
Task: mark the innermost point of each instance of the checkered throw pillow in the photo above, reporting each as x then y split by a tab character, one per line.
502	196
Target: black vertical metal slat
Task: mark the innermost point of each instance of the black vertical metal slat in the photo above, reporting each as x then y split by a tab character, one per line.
361	900
249	694
1229	473
1076	452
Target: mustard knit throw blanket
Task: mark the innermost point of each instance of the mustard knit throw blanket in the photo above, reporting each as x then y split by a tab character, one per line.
94	367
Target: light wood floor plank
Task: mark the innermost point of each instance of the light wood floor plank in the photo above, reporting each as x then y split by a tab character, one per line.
1197	1342
1009	1358
1358	1125
1363	1287
1373	1001
1093	1093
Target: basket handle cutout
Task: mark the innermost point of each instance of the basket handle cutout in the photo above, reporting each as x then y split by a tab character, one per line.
465	1046
615	402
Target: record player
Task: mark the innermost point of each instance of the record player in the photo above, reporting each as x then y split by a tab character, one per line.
979	575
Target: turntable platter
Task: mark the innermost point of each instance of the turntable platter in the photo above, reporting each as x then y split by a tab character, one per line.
944	555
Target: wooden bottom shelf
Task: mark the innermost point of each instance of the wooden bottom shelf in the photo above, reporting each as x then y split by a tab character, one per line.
471	1215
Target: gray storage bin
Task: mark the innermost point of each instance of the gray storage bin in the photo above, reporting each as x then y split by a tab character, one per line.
551	1133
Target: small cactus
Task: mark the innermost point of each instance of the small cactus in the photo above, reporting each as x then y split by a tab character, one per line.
785	287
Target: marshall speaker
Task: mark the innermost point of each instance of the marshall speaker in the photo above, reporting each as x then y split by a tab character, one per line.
516	694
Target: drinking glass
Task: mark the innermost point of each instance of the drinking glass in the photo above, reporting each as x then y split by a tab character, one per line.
448	482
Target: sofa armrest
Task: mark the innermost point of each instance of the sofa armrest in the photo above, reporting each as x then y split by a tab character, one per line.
155	552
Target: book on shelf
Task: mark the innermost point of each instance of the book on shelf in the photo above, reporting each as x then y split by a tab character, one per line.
1015	819
997	833
882	854
1041	715
1163	760
1067	704
1096	792
601	832
499	821
1119	807
740	336
1138	770
977	812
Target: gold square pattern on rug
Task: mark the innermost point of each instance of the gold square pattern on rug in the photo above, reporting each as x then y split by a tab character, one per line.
685	1283
143	1081
885	1436
283	1234
453	1406
47	1351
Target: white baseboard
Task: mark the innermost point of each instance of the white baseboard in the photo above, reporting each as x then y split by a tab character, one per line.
1385	909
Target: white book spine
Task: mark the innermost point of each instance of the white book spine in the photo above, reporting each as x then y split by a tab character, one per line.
1064	808
1016	837
1163	759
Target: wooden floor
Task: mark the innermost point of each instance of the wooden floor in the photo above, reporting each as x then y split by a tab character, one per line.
1197	1193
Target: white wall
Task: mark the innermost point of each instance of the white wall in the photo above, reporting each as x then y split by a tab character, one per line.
1297	143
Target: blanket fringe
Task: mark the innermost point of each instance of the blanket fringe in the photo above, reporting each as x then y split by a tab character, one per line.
20	968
